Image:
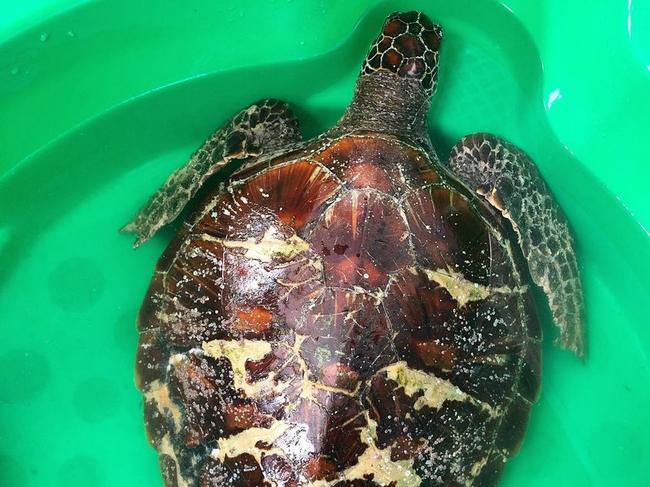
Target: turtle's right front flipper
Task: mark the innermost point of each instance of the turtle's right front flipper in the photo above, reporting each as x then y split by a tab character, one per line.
264	126
508	180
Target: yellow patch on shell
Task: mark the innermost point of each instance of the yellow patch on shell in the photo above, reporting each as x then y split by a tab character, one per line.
268	247
238	352
460	289
435	390
247	440
159	394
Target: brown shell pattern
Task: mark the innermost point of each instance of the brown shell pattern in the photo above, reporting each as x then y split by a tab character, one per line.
343	319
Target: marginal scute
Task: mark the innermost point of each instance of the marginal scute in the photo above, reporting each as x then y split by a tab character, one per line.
169	471
152	303
199	384
149	359
155	423
191	308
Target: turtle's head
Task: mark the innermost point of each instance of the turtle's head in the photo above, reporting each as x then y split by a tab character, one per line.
397	78
408	47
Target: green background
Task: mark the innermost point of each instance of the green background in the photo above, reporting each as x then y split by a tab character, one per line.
100	101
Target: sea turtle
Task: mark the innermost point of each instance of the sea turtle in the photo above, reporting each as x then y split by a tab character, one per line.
351	311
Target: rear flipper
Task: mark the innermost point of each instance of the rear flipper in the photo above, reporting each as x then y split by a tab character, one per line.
264	126
509	181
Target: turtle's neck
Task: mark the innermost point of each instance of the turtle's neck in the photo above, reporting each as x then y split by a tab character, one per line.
384	102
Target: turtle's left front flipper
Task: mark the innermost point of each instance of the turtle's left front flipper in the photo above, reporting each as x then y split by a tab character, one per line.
262	127
503	175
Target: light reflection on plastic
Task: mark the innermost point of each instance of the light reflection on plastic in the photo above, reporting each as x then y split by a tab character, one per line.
553	97
629	18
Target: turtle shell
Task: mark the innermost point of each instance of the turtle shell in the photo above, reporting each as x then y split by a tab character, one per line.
341	316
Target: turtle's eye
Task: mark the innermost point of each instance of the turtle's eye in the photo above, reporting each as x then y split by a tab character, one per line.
408	46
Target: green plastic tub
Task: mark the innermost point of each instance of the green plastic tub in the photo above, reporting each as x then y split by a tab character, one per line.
100	101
